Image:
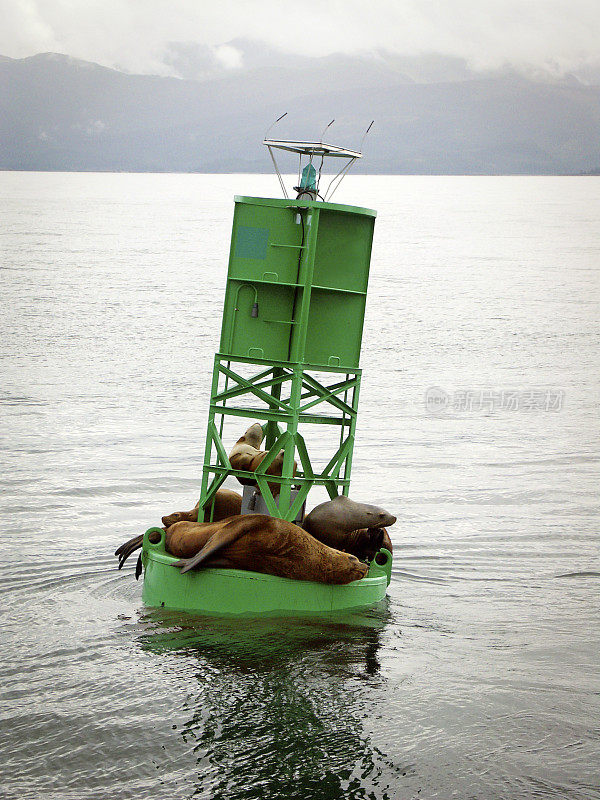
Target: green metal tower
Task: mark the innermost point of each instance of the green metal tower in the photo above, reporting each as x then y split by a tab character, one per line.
291	333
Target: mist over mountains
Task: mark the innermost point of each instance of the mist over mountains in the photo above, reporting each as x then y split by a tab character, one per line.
433	115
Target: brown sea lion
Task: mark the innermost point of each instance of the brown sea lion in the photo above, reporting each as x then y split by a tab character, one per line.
348	525
254	542
227	504
263	544
246	455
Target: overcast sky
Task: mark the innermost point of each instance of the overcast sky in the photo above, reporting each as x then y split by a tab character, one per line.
133	34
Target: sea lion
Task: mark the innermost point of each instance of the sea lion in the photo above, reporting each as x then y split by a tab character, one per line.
263	544
347	525
227	504
255	542
246	455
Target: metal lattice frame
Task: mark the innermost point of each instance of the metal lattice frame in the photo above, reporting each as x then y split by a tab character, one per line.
283	417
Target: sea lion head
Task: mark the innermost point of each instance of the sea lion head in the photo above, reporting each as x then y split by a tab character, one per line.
379	518
253	436
363	515
245	454
346	568
181	516
344	514
171	519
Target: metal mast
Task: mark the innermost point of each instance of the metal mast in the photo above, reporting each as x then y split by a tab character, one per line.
291	333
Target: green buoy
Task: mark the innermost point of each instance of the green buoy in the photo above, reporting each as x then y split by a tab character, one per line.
288	357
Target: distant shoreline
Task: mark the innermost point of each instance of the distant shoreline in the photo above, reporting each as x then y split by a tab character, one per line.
591	173
64	114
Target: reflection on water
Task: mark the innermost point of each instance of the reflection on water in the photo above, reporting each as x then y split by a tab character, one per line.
276	706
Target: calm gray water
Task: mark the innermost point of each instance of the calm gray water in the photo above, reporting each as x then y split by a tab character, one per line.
479	676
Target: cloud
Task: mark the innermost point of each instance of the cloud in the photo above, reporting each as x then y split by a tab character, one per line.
135	34
230	57
197	61
23	30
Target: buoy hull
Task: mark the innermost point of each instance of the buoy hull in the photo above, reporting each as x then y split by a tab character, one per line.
238	592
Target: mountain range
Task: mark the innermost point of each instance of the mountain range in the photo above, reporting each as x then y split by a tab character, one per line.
433	115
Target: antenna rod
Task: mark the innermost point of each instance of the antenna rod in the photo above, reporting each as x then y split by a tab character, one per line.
275	123
325	129
362	141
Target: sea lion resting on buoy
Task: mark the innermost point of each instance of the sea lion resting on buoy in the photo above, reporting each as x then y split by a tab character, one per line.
246	455
345	524
254	542
263	544
227	504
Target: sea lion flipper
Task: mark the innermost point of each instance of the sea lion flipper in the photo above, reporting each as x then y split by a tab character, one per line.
128	543
228	534
125	550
